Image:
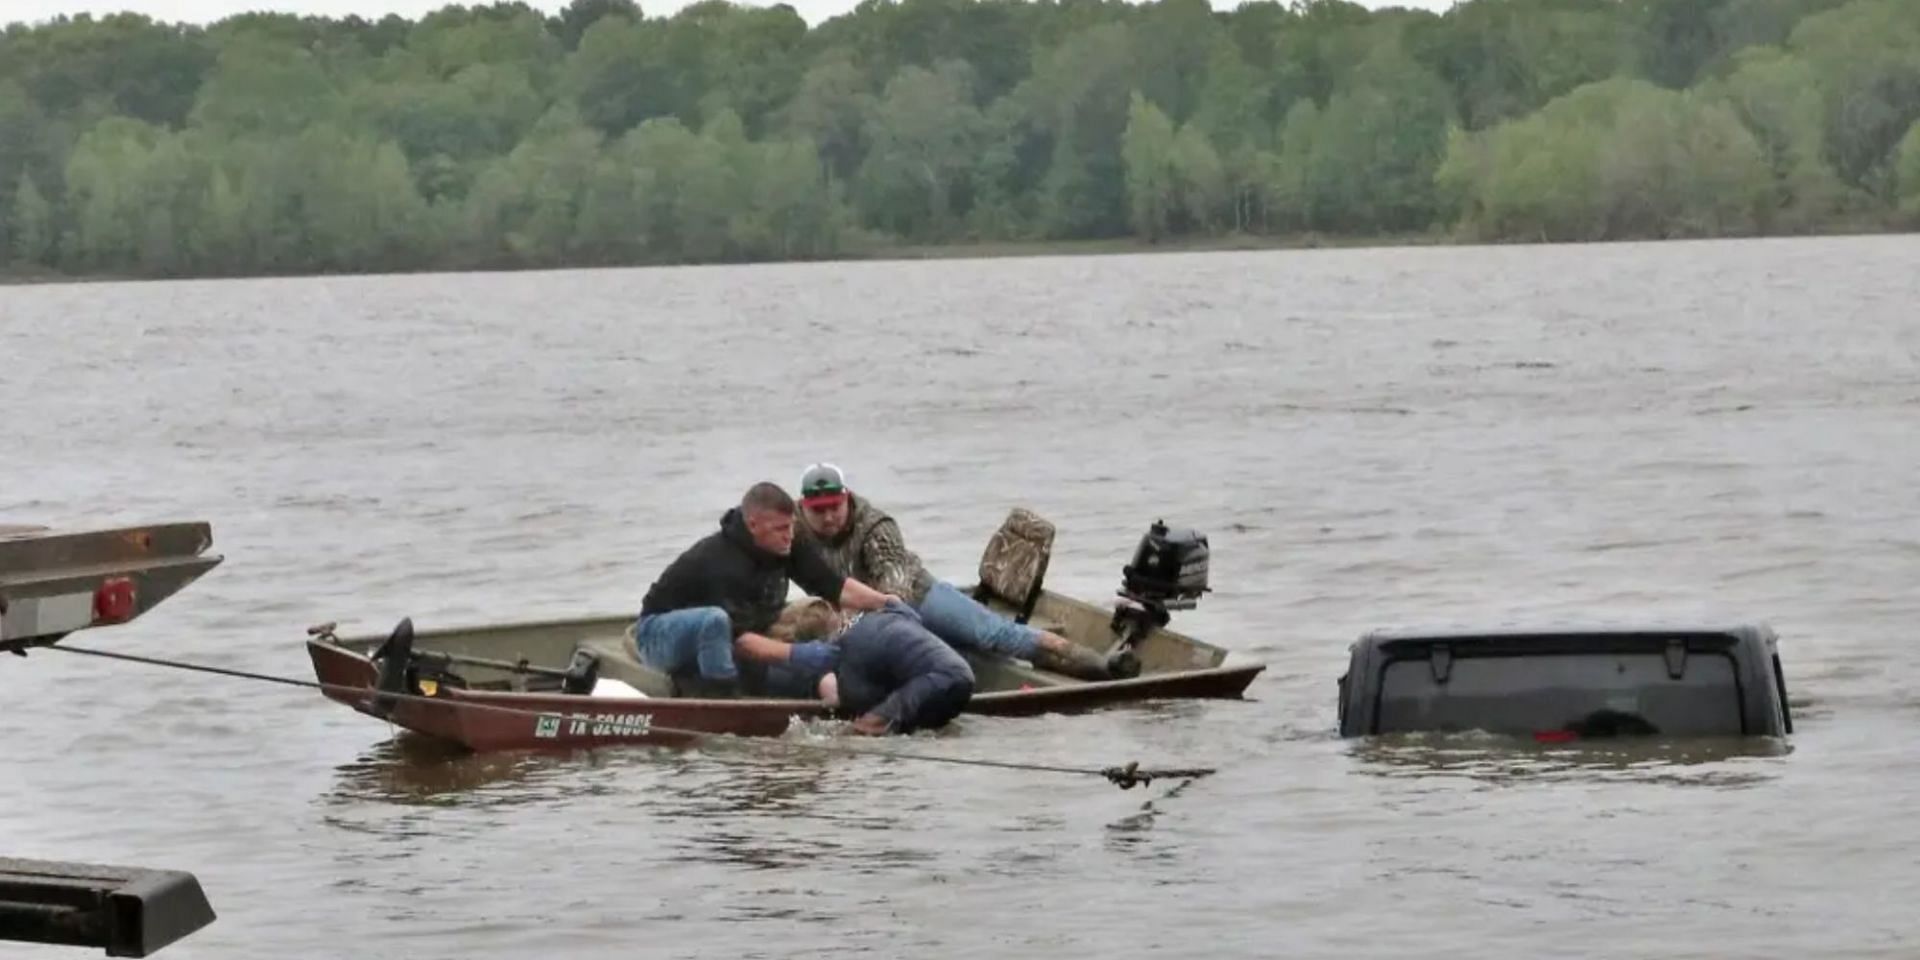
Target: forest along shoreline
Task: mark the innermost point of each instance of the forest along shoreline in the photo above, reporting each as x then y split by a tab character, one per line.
496	137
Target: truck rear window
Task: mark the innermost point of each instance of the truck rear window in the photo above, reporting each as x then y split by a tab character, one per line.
1541	692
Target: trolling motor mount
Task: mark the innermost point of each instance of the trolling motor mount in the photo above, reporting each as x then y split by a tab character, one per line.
394	663
583	671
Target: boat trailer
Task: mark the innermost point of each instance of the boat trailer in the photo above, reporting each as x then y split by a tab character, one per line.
53	584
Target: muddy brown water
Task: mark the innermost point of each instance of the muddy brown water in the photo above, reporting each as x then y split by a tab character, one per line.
1697	431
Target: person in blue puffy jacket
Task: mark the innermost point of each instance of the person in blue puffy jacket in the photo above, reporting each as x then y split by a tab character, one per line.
892	673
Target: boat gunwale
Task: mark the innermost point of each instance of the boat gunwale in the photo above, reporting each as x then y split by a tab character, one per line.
366	642
1034	693
1144	680
623	620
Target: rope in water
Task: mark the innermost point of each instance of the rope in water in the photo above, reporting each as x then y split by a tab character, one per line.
1125	777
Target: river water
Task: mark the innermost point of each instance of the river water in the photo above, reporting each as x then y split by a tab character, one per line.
1696	431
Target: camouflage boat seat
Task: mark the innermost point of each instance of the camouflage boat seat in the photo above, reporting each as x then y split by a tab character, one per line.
619	662
1015	562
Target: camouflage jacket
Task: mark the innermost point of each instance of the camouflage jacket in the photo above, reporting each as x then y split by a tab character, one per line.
872	551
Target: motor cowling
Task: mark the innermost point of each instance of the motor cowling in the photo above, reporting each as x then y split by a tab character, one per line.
1169	568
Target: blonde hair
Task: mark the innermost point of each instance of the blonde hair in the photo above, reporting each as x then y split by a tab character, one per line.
810	618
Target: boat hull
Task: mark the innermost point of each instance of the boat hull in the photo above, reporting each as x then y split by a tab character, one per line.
477	720
1218	683
500	720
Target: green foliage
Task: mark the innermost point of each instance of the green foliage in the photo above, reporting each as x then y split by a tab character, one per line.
496	135
830	108
921	146
1377	146
259	87
31	229
1613	160
1907	177
1506	58
1148	148
1777	96
1866	61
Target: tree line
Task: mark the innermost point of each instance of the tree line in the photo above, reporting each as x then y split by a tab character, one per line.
496	136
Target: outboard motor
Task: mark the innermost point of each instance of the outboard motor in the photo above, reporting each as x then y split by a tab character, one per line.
1168	572
1169	569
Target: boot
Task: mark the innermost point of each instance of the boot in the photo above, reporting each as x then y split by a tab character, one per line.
1074	660
871	725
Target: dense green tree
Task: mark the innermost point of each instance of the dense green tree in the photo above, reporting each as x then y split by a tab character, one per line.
1777	96
570	23
830	109
1907	177
1613	160
1148	149
922	135
31	228
498	135
1866	61
1377	146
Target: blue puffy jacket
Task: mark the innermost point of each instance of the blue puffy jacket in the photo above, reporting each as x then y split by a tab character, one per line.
893	666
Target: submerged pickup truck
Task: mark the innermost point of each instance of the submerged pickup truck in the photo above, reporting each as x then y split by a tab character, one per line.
1568	682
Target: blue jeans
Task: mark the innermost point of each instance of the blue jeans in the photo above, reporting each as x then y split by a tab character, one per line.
785	683
682	642
965	624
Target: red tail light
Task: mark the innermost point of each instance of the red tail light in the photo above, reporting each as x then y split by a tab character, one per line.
113	602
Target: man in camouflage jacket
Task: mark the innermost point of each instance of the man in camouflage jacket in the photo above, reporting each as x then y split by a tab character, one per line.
863	543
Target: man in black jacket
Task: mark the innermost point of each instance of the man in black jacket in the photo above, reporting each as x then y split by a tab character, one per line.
704	620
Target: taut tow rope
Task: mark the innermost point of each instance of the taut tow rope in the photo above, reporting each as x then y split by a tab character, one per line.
1125	777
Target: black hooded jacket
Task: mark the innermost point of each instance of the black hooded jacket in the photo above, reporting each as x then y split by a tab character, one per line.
726	569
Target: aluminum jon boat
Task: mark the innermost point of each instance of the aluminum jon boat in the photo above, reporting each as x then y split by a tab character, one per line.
578	682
